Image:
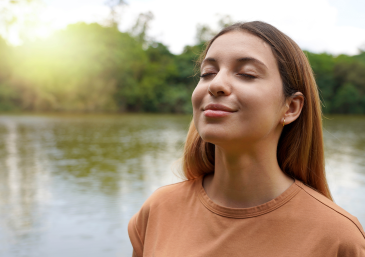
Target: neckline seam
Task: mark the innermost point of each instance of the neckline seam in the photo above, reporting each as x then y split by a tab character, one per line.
207	204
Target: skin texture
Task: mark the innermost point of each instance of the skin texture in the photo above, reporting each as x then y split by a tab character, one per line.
241	72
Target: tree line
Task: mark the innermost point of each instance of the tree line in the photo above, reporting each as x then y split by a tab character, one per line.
95	68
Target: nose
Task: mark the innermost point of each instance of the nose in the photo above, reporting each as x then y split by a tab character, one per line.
220	85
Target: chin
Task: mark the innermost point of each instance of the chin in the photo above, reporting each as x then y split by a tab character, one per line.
228	138
216	136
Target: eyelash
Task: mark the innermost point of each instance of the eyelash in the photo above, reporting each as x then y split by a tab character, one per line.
205	74
241	74
247	76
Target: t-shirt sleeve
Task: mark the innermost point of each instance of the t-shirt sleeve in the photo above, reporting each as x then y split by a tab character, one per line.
137	226
142	223
134	236
354	249
353	244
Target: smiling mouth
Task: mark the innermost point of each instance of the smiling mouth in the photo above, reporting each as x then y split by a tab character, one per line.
217	110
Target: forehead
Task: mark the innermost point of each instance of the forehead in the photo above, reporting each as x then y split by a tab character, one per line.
240	44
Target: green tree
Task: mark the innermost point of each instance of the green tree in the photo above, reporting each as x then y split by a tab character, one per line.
140	28
323	65
8	95
347	100
80	68
115	7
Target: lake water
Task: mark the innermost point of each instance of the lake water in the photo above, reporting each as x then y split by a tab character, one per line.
70	183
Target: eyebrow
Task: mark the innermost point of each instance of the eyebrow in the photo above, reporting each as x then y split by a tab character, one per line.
208	60
243	59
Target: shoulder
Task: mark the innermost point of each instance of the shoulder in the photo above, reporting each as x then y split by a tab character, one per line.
170	194
332	219
163	200
327	208
167	195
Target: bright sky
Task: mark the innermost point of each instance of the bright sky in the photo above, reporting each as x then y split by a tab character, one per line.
335	26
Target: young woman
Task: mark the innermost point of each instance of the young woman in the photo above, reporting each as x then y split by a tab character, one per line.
253	160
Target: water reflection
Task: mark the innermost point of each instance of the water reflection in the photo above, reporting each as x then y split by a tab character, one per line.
345	149
345	162
24	184
69	184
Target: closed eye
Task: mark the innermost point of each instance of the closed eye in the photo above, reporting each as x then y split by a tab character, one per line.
247	76
206	74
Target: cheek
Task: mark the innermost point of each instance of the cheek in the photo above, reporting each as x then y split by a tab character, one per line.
267	94
261	105
197	101
197	97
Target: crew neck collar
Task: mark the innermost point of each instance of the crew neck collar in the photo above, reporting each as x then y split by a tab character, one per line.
242	213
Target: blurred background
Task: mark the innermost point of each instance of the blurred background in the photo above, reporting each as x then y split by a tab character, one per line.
95	106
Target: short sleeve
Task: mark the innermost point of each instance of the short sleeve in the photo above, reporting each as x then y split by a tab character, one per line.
135	237
138	224
353	245
143	223
352	249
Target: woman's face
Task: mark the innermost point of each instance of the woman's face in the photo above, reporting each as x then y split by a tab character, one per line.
239	98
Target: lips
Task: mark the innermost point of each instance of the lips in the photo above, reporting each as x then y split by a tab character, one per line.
217	110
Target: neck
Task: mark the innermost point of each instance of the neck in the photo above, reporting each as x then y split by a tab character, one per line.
247	178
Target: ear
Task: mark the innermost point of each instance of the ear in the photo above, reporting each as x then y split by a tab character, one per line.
294	106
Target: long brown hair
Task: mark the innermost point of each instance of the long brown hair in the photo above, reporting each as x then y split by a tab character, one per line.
300	149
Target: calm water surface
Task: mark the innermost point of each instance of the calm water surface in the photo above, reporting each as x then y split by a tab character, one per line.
70	184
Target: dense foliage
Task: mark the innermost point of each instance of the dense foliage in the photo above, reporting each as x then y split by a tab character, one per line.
88	67
341	81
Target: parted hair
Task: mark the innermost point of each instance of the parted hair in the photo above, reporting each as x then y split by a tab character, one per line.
300	151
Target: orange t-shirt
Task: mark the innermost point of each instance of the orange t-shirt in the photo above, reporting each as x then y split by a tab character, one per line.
181	220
